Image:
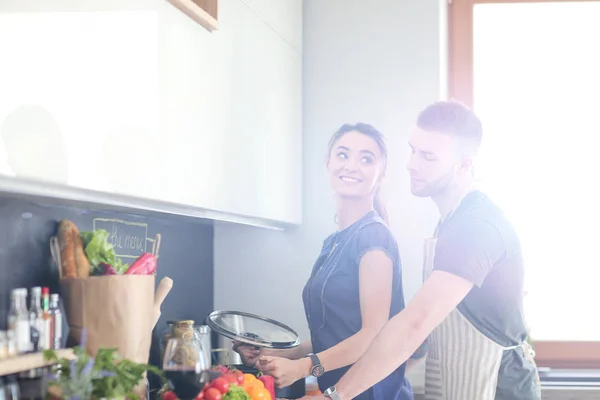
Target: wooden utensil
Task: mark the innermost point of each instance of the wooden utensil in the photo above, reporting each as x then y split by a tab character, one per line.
164	287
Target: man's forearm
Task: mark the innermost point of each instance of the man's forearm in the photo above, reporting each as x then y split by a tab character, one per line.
400	337
403	334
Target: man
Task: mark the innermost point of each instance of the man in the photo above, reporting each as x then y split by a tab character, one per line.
470	306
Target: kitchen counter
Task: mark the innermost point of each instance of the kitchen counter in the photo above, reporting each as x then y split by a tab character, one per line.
563	384
570	384
553	376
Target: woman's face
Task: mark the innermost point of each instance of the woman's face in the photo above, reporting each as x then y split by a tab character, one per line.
355	165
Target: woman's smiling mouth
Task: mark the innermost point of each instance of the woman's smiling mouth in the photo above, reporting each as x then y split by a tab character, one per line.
349	179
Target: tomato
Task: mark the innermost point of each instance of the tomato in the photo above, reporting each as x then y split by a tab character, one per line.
169	396
260	394
231	378
212	394
200	396
240	377
222	369
220	384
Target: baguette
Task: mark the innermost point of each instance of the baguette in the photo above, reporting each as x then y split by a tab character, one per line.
67	249
81	261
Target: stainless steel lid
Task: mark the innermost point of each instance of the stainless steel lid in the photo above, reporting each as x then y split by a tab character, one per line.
253	329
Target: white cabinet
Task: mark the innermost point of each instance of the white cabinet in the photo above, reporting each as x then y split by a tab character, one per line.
262	160
150	104
79	103
234	98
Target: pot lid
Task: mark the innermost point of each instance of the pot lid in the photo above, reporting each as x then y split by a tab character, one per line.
253	330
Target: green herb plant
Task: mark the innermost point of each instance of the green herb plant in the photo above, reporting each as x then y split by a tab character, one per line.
107	375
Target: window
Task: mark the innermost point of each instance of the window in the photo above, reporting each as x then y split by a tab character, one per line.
532	72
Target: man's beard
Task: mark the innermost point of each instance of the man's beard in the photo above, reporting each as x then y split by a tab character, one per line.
435	188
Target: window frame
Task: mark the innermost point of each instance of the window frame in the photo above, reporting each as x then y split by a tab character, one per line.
553	354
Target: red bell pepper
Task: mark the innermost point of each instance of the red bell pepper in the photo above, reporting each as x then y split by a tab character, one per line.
144	265
269	383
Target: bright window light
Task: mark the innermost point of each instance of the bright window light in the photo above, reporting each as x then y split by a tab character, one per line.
537	90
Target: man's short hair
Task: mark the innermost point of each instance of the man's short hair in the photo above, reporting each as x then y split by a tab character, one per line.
454	118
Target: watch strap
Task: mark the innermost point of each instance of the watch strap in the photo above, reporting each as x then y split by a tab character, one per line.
317	369
332	394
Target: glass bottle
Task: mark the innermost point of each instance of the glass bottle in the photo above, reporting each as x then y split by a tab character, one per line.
14	309
21	326
3	346
48	339
36	319
56	315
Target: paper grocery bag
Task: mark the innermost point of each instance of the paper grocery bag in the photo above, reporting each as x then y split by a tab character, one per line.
116	312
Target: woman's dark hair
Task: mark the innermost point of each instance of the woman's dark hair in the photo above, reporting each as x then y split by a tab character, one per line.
377	136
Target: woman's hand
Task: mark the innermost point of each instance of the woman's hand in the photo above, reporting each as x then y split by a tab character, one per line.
284	371
316	397
248	354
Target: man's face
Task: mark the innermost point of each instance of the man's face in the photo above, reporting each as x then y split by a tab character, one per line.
434	163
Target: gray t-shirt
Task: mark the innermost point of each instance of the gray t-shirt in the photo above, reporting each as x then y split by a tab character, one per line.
479	244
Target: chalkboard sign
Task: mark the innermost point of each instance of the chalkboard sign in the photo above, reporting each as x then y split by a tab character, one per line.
130	239
186	251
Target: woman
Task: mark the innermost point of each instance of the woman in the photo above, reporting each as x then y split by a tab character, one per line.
356	282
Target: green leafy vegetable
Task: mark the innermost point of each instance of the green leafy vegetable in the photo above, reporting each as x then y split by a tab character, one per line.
236	393
99	250
105	376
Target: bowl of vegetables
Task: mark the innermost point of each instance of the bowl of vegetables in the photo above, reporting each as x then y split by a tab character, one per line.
233	384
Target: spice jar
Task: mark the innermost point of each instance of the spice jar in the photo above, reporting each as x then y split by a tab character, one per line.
186	352
183	329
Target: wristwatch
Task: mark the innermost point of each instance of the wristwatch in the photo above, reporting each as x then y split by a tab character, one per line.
317	369
331	393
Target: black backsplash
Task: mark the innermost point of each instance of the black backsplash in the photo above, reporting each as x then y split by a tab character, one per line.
186	252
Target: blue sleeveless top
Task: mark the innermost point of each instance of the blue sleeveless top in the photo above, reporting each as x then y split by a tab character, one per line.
332	303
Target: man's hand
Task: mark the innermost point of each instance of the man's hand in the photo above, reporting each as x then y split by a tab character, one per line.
317	397
284	371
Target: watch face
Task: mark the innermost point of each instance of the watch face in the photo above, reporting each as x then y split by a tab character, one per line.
318	371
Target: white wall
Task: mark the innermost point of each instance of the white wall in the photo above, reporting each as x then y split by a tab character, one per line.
379	64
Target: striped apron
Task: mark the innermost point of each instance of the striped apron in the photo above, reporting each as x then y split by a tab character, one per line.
462	363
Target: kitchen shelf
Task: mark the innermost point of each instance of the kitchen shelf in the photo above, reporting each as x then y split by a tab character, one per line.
204	12
26	362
